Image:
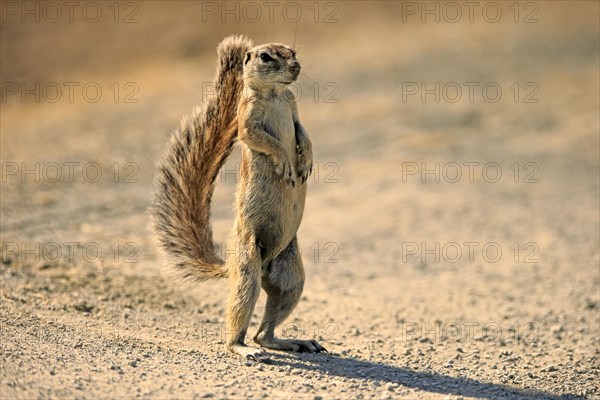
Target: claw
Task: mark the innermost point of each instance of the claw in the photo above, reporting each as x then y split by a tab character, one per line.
320	349
252	357
258	359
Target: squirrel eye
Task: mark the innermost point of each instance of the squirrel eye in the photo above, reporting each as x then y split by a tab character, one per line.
265	57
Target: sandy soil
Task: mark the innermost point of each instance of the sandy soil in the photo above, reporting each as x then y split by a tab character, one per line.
421	283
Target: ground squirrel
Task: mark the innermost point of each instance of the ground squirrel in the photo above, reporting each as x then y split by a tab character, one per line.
254	103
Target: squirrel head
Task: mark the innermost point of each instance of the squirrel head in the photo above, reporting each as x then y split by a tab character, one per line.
271	65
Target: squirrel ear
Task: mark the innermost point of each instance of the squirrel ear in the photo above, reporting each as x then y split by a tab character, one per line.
248	56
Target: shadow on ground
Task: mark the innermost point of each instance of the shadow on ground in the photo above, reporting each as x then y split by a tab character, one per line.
353	368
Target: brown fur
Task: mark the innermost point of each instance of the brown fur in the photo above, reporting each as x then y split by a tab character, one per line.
276	162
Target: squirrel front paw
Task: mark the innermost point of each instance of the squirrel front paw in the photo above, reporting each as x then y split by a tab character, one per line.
304	162
287	171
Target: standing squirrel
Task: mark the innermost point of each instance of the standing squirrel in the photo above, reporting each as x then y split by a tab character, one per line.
254	103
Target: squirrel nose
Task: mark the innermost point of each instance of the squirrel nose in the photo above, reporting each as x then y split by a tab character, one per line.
295	67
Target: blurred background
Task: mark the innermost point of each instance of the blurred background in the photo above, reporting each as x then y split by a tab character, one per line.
438	128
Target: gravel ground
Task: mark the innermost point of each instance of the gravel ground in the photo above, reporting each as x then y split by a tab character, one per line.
451	243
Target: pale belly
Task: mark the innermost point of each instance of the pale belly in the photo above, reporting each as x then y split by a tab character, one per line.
270	208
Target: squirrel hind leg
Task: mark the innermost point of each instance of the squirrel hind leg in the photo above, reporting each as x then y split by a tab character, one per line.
244	271
284	284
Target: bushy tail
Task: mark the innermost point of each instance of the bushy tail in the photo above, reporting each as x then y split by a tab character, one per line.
186	175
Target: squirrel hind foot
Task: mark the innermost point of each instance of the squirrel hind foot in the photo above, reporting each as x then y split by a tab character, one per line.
250	353
295	345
